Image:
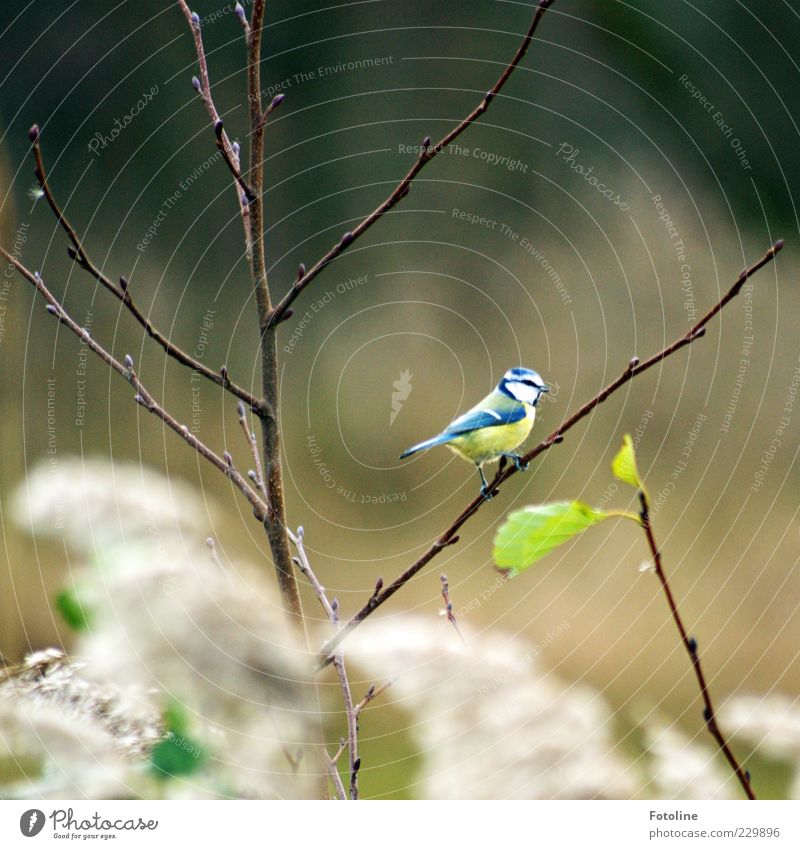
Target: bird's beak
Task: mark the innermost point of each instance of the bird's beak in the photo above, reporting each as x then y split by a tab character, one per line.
545	389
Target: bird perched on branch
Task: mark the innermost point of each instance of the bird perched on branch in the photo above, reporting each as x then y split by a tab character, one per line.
496	426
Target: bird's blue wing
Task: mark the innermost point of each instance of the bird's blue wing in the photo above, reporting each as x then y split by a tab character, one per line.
485	416
477	419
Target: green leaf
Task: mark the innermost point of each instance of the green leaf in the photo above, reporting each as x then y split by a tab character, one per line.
176	755
74	612
624	464
176	719
533	532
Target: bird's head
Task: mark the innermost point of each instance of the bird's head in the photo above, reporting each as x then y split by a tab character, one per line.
523	385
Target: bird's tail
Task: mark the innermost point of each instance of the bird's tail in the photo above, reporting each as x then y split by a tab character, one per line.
428	443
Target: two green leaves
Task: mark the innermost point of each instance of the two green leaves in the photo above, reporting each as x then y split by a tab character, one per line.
533	532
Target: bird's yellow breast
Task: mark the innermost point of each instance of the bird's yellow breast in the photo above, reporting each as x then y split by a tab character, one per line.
488	443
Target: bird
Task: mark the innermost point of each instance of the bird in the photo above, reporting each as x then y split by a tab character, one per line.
496	426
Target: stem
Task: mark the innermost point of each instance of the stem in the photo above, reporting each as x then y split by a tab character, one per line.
690	644
349	710
275	521
252	444
250	192
331	609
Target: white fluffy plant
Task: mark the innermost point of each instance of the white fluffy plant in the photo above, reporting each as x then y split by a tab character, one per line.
162	621
65	736
489	721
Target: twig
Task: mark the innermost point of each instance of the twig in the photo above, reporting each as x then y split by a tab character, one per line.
350	713
448	607
304	565
690	644
256	475
274	104
340	750
202	86
333	771
142	396
427	153
634	368
258	266
371	695
331	609
79	254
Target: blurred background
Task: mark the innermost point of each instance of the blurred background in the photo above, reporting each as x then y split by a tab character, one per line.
506	252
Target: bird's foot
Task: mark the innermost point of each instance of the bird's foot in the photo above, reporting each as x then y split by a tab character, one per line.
517	461
486	492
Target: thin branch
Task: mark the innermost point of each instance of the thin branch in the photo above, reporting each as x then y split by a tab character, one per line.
690	644
634	368
331	609
333	771
340	751
142	396
304	565
371	695
448	607
202	86
258	266
427	153
79	254
275	103
256	475
350	713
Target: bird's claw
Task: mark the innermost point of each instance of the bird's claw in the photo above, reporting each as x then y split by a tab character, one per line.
486	492
517	461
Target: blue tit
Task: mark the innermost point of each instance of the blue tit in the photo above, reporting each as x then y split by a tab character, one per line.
494	427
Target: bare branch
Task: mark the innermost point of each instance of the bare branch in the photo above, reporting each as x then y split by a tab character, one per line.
275	523
142	396
371	695
276	102
448	607
427	153
634	368
349	710
331	609
202	86
690	644
79	254
257	475
336	778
